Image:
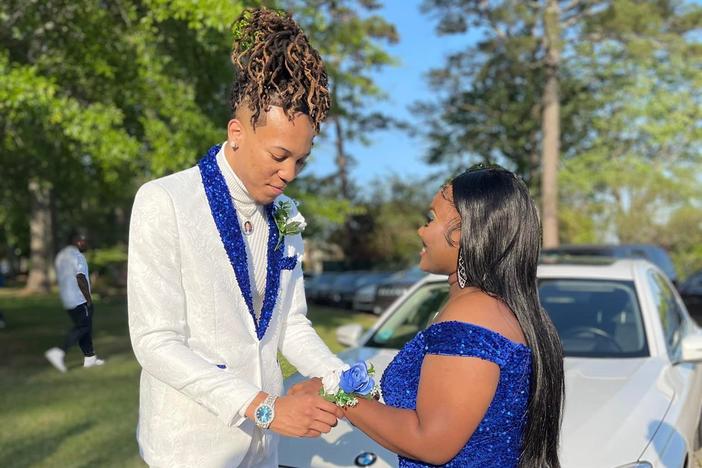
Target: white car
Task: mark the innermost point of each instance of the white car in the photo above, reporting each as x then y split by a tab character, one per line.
633	385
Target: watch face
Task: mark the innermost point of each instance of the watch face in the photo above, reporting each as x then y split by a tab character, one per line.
264	414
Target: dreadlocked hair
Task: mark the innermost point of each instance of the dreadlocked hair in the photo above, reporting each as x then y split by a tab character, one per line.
274	64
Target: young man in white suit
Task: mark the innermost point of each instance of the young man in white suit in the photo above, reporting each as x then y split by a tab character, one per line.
215	283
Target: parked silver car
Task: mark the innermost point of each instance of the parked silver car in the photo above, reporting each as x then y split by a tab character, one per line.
633	383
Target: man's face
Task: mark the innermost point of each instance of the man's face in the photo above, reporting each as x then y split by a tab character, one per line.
271	156
81	243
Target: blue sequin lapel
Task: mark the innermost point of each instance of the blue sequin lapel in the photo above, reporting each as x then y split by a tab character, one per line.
225	218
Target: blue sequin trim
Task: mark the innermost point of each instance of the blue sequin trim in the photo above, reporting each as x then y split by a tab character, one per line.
288	263
225	218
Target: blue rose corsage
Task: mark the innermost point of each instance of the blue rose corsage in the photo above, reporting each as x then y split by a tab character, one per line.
344	386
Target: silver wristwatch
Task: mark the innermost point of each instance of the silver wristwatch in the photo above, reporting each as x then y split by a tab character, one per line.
265	412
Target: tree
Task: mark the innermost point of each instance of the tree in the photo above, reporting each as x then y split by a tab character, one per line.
350	38
384	235
638	172
96	97
505	94
540	48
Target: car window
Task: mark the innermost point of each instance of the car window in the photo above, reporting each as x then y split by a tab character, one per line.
595	318
693	284
668	309
661	259
412	316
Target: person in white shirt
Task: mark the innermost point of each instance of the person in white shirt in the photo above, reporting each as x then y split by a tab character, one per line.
74	288
215	284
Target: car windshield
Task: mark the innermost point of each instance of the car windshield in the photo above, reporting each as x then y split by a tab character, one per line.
594	318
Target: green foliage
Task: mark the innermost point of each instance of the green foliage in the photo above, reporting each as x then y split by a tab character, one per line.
488	105
324	210
97	97
385	234
631	138
99	258
351	37
637	173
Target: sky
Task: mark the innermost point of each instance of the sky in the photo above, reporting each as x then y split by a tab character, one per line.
394	152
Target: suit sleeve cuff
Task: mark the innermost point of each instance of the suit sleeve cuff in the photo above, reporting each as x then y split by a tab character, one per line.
242	410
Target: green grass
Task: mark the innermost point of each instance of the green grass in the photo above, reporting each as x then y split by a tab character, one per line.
86	417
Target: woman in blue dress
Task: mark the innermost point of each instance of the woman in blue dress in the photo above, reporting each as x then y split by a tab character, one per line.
483	384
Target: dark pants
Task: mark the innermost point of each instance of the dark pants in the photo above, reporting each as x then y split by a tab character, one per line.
82	331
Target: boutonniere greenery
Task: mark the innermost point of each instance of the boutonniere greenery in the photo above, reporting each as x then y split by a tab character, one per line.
287	226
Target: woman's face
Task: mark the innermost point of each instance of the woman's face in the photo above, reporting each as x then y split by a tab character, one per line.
438	256
270	156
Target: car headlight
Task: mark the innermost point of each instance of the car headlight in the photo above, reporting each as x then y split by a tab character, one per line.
638	464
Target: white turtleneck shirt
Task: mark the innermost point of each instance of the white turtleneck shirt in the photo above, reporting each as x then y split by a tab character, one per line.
256	242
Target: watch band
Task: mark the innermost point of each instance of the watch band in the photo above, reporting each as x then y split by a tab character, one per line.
265	412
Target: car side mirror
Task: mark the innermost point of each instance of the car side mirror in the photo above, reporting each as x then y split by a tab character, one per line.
691	348
349	334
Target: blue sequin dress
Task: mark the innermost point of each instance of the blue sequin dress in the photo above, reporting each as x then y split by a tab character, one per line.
497	439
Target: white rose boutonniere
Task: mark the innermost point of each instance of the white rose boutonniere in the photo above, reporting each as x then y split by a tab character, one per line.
287	225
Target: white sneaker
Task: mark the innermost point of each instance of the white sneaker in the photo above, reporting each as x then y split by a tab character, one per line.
55	357
92	361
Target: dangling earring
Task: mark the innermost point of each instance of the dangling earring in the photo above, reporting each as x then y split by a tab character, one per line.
234	145
461	270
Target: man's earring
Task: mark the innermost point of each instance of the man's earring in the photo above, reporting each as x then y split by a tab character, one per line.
234	145
461	270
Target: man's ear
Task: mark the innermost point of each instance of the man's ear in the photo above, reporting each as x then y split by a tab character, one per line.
235	132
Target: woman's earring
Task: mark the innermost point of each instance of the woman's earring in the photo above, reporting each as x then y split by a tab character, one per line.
461	270
234	145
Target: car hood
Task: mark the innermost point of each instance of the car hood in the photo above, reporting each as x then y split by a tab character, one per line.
612	409
343	444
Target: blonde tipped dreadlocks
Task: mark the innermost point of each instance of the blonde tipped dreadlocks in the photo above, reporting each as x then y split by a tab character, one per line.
276	65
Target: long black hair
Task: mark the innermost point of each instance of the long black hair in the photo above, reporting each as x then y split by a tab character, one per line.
500	243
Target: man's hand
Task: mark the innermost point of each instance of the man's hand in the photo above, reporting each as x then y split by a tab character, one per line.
310	386
304	415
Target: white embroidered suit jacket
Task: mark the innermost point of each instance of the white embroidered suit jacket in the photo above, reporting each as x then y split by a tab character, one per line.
195	339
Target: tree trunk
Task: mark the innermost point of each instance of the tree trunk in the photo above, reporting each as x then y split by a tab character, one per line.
341	159
533	171
40	237
550	126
